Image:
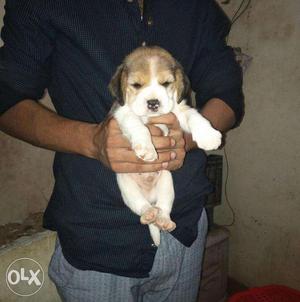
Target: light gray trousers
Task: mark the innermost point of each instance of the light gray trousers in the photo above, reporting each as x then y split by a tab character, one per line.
175	275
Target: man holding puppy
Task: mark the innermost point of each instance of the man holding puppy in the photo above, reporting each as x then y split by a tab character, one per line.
103	253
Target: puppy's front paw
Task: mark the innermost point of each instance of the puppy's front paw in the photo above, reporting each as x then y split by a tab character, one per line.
207	138
165	223
146	152
149	215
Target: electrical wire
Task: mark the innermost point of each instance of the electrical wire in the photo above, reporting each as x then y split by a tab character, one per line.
226	193
238	13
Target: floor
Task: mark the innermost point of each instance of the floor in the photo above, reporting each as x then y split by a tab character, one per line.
235	287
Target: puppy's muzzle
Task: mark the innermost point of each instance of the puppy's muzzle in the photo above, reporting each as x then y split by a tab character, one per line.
153	104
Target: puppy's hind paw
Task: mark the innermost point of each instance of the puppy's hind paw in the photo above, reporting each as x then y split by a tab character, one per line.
149	215
165	223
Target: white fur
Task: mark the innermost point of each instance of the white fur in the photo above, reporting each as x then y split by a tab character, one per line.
154	204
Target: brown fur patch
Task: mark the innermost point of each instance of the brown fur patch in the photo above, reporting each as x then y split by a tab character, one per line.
136	70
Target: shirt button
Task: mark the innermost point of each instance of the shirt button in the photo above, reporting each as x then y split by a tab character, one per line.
144	43
150	21
153	245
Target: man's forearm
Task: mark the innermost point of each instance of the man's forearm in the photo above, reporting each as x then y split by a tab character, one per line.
35	124
220	115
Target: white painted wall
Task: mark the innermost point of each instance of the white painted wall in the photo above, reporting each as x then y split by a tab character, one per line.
264	153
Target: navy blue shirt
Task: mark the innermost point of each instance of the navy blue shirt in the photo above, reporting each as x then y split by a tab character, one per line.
72	48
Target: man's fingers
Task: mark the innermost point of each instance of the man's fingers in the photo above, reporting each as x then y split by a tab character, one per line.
142	168
163	142
159	142
162	119
174	165
169	119
135	168
125	167
154	130
125	155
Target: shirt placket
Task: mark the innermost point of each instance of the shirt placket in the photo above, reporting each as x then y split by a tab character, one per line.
142	20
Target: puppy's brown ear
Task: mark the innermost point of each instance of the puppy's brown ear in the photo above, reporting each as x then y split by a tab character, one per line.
183	84
115	85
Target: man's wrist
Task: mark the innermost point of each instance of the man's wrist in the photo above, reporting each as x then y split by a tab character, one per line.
189	143
219	114
87	134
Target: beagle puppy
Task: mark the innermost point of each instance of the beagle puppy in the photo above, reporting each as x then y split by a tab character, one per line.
150	82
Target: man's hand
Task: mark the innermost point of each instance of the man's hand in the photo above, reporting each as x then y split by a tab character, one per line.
114	150
41	127
35	124
175	133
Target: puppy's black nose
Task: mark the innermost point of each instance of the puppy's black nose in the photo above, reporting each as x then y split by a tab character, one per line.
153	104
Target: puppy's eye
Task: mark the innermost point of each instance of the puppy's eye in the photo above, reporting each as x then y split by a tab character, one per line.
136	85
166	84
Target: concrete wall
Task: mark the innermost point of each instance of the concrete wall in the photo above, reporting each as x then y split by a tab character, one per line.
264	153
25	174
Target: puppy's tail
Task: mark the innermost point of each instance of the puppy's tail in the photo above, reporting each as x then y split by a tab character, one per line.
155	233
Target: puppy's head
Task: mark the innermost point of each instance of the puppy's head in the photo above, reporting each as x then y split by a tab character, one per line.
150	81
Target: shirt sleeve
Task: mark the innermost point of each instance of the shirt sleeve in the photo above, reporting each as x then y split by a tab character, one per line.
215	73
25	55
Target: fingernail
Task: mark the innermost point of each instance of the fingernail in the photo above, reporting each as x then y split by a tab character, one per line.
173	155
173	142
165	165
